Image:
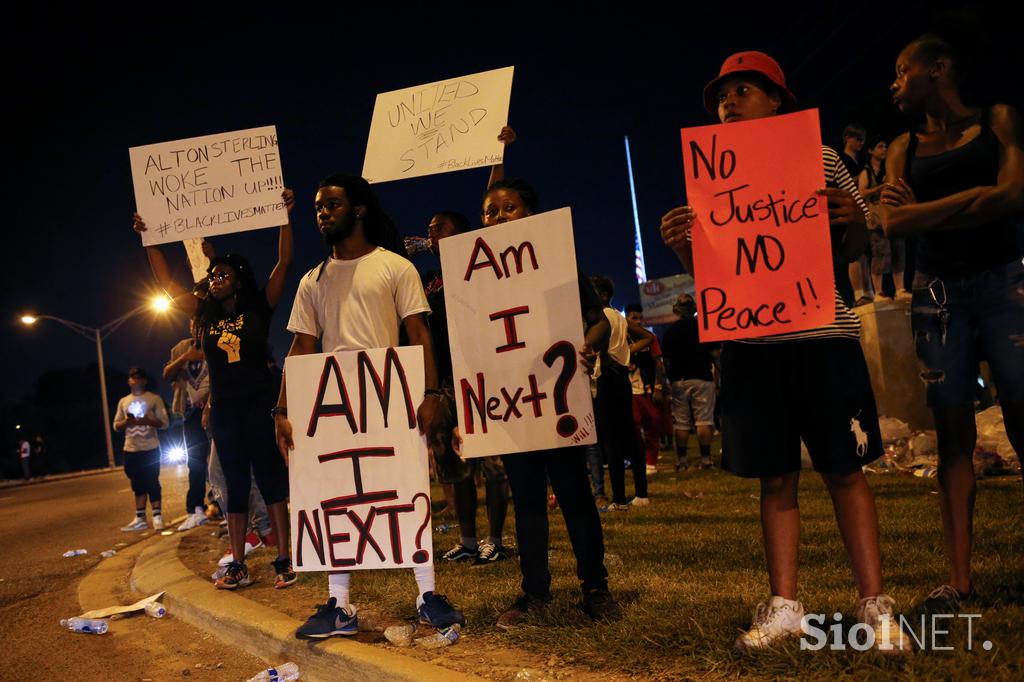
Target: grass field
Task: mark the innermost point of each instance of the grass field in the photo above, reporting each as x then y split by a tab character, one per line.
688	571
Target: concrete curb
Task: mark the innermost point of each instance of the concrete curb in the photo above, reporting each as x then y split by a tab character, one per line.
267	633
18	483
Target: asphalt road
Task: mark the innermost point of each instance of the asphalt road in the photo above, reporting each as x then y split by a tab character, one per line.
38	587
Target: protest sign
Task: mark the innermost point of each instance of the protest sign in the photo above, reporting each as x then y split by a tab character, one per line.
761	244
657	296
515	326
208	185
360	492
438	127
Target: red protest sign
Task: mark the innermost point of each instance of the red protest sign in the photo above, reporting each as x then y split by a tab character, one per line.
762	252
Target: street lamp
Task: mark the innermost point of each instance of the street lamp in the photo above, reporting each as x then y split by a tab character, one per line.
160	304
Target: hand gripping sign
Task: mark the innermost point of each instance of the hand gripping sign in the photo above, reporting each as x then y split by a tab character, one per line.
360	492
438	127
209	185
515	326
762	253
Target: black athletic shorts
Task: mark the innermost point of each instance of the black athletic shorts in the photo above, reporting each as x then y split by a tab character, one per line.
775	394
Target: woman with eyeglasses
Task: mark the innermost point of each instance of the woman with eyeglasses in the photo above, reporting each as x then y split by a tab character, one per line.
957	182
231	325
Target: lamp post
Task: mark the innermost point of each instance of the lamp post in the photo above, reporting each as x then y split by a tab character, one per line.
97	334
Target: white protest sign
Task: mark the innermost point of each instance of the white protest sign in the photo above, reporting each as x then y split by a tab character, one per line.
514	321
438	127
360	492
208	185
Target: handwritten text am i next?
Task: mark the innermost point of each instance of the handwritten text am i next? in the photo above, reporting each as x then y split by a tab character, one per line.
515	326
762	251
360	493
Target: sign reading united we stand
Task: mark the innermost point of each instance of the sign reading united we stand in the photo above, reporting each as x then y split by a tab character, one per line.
515	326
439	127
360	492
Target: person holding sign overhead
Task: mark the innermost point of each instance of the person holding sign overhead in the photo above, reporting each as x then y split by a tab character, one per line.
356	299
811	385
957	181
231	325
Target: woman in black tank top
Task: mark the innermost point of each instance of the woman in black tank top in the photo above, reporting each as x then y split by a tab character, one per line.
958	183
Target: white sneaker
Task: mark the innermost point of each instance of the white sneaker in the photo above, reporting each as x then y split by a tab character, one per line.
192	521
774	620
640	502
877	613
158	522
252	541
651	469
136	524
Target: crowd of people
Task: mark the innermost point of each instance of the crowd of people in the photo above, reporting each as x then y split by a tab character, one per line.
955	183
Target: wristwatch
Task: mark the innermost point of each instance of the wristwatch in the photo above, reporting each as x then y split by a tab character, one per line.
278	410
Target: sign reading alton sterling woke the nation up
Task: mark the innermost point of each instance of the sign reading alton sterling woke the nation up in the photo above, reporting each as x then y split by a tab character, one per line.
205	186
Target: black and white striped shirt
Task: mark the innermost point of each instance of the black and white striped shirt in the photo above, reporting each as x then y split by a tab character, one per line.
846	324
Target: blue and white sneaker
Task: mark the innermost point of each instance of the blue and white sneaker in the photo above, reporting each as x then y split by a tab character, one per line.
460	553
329	620
437	612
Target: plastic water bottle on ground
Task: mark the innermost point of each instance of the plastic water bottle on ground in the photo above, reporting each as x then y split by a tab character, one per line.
109	553
74	552
286	672
156	609
442	638
94	626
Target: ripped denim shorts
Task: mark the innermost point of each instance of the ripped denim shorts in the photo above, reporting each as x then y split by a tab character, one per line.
959	321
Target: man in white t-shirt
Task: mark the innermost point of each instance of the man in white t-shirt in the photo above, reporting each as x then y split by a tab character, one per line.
357	298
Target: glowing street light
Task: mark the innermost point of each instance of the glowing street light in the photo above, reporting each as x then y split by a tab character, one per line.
159	304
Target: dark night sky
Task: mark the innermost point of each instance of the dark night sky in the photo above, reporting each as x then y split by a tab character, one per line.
80	97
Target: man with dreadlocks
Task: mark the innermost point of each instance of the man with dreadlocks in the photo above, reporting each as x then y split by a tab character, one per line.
357	298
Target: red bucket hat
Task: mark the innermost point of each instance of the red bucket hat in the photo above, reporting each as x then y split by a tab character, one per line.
750	62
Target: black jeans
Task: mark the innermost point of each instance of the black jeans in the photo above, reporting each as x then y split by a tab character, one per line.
244	433
143	470
197	445
528	475
616	432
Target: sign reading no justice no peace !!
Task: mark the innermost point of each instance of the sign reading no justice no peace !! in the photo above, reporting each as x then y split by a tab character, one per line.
438	127
762	251
360	492
205	186
514	320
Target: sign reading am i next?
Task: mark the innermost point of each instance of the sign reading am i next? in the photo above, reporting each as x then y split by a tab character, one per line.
210	185
360	492
515	326
762	250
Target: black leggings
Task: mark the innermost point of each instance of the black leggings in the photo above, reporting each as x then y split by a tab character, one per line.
143	470
244	433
